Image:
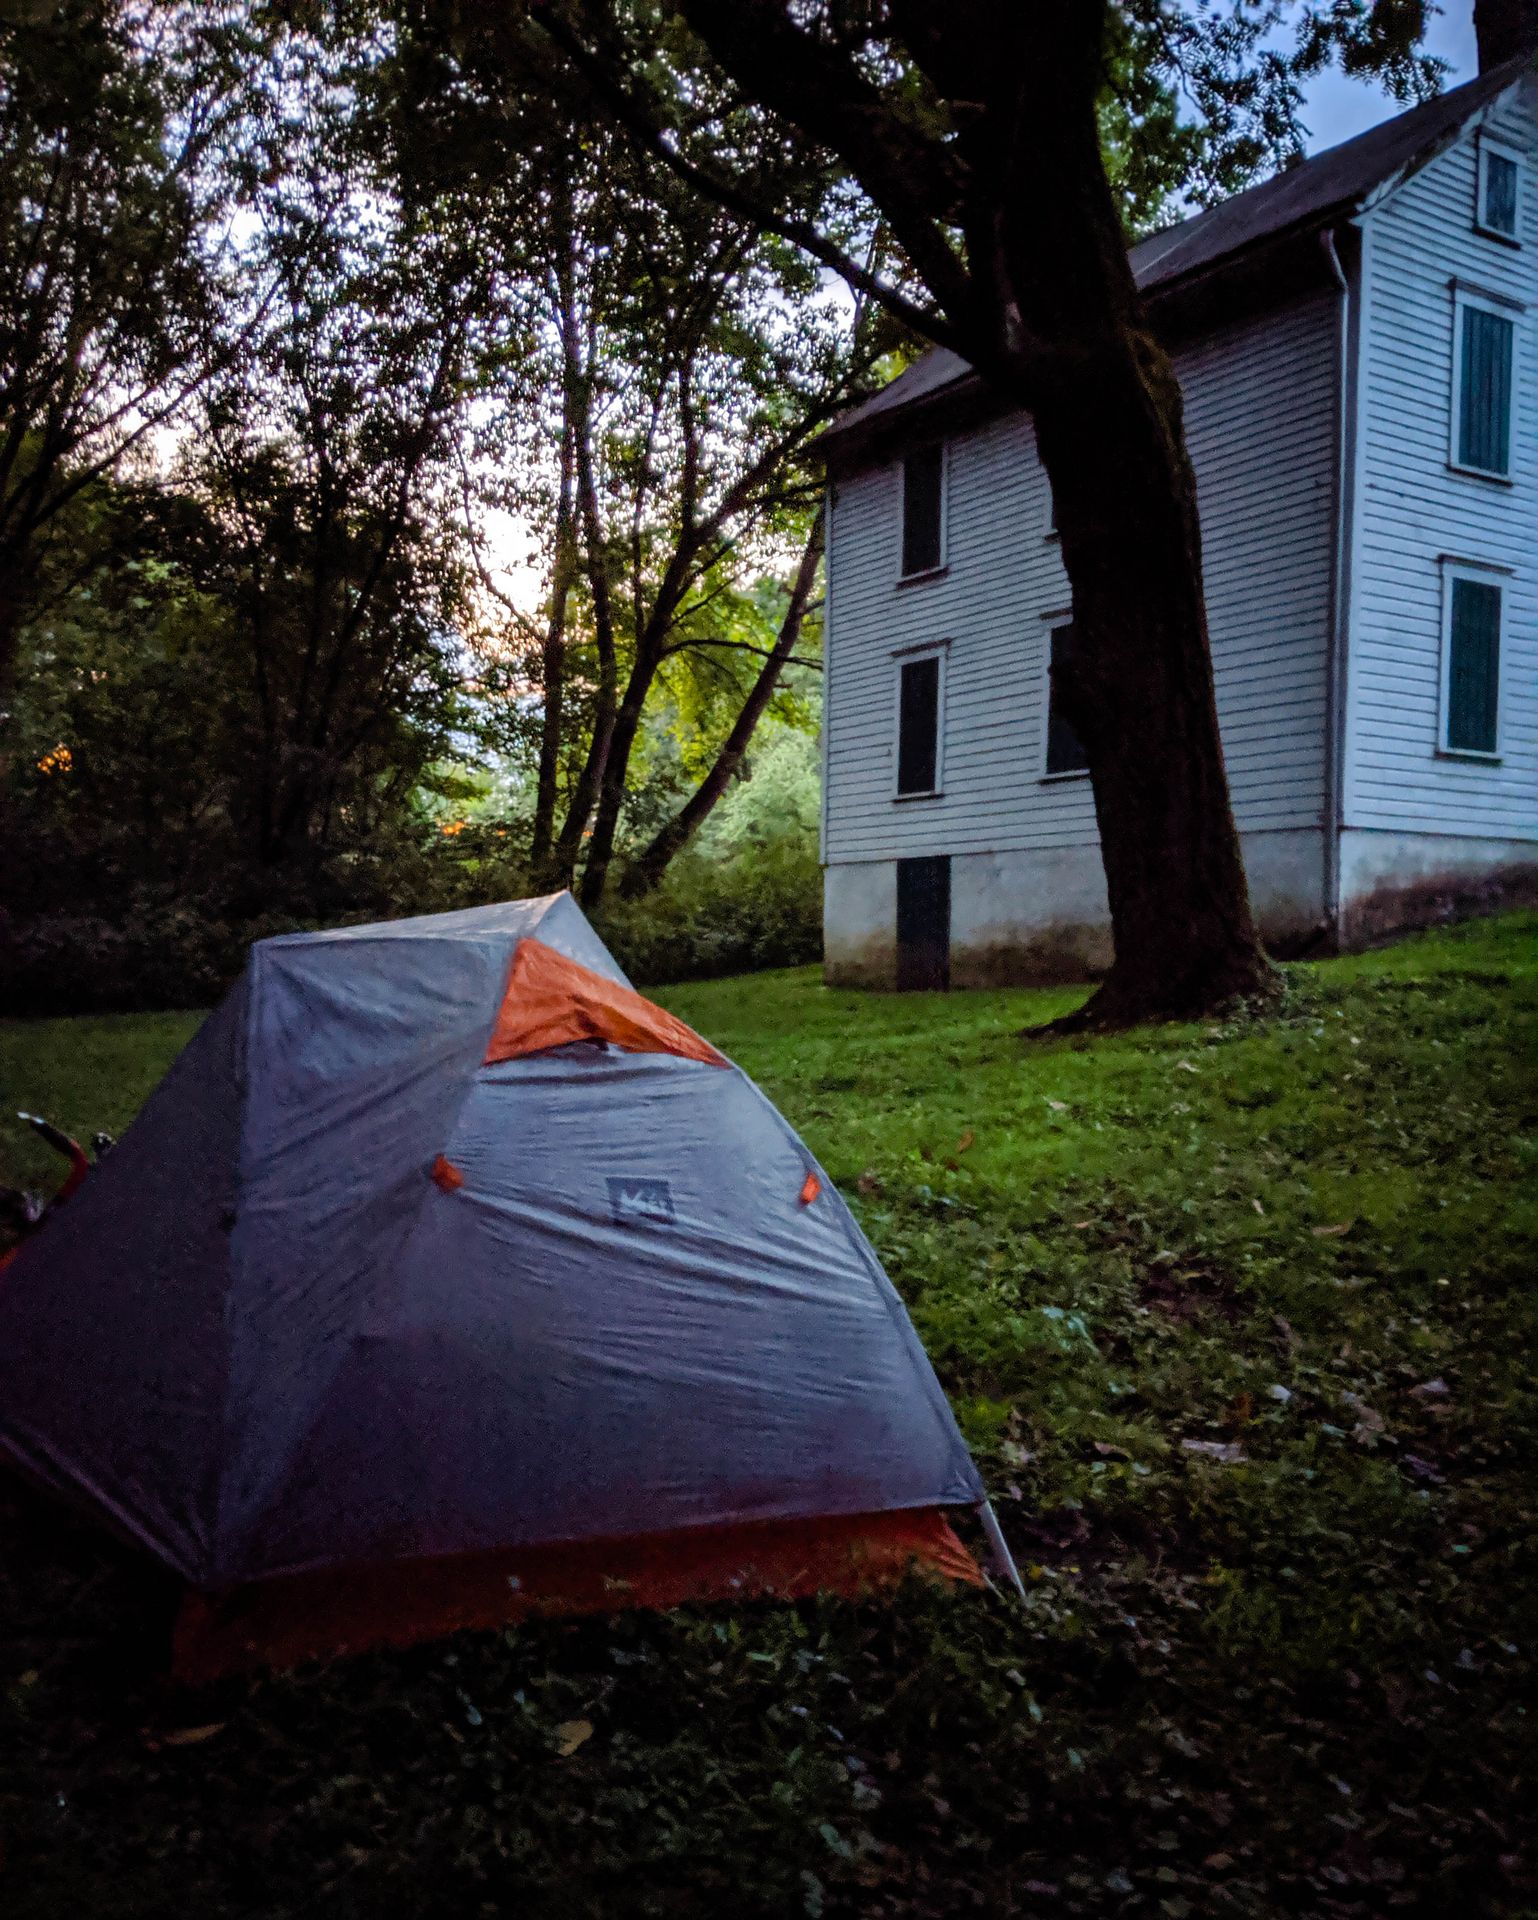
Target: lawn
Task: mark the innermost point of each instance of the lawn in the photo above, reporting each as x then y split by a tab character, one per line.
1241	1321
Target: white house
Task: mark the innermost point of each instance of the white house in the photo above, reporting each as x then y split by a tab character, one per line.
1358	345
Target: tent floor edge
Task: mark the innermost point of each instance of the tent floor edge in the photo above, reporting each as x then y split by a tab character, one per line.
294	1618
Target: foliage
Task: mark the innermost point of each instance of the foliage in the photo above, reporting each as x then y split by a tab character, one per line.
97	937
109	247
1288	1669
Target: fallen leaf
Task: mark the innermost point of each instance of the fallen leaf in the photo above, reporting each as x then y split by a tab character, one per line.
1329	1233
965	1141
191	1736
1058	1106
868	1183
1080	1225
1257	1206
1186	1067
1430	1389
1224	1450
570	1735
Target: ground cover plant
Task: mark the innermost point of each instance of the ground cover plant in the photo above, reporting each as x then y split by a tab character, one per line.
1240	1318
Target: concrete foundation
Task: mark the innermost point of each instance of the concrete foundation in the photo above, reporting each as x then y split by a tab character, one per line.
1392	882
1027	918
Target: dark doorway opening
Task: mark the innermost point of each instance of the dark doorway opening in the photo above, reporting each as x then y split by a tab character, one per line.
924	924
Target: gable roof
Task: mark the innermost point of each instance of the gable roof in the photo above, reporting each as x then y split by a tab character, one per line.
1306	197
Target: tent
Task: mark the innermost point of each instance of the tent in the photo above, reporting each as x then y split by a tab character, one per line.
444	1279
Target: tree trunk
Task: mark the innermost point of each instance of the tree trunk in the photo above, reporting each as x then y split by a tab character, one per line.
647	869
589	782
14	599
1503	28
611	790
564	562
1137	682
553	670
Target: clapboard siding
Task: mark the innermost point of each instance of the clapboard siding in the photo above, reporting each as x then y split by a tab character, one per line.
1412	508
1261	422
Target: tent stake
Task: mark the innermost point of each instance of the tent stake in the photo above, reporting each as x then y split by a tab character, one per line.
1003	1559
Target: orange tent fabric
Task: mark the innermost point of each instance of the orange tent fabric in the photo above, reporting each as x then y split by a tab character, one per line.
552	1001
278	1623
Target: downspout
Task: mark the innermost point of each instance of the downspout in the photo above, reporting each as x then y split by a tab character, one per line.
1340	594
827	667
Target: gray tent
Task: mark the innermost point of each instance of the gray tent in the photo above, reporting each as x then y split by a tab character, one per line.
438	1241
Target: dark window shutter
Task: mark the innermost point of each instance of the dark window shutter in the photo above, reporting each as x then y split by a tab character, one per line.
923	477
1500	209
918	726
1473	667
1065	750
1484	424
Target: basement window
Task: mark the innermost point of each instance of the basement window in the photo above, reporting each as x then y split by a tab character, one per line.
1500	190
1473	618
923	523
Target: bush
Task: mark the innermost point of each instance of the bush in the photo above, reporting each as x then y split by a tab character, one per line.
761	908
759	905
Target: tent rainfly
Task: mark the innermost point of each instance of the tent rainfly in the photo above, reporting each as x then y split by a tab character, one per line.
444	1280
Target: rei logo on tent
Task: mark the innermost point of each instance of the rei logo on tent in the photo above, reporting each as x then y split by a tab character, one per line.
633	1200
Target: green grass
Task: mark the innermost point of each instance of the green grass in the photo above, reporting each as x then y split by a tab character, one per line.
1294	1676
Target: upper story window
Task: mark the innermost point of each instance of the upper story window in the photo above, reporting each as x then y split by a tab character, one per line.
1065	750
1473	614
1484	335
1500	190
924	511
920	707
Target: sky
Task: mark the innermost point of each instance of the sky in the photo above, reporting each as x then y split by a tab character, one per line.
1337	108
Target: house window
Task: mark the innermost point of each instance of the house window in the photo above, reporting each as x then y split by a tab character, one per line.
924	511
920	703
1486	339
1473	604
1500	190
1065	750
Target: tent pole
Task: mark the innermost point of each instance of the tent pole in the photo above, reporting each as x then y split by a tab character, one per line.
1003	1559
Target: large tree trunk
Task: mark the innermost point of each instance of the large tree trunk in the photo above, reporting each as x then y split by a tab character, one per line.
1503	28
1138	681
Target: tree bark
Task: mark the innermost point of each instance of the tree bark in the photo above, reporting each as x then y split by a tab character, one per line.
1138	680
647	869
564	563
1503	28
580	808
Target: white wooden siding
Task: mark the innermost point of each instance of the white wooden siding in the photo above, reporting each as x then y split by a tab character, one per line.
1412	508
1260	410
